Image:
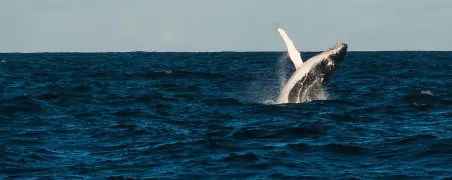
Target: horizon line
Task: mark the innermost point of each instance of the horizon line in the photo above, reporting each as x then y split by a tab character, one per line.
256	51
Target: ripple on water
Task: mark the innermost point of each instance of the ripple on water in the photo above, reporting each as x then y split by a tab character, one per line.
140	115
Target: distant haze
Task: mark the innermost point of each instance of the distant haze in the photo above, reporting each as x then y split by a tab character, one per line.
214	25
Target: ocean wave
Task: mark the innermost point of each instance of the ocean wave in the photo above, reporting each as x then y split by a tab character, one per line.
298	132
417	139
420	98
242	157
21	104
128	112
178	74
345	149
224	102
193	115
299	146
436	149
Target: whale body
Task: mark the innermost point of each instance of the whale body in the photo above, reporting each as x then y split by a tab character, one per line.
310	77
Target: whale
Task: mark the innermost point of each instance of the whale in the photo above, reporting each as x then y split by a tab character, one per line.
308	81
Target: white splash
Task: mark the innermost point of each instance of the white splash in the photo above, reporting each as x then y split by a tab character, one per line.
269	102
283	69
319	94
427	93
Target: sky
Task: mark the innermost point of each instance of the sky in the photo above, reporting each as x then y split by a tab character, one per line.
214	25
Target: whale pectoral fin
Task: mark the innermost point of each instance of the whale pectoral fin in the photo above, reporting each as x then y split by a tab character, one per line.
294	54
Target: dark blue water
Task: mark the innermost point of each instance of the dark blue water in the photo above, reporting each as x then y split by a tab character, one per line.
202	116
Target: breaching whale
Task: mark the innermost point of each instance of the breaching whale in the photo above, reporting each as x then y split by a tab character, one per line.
310	77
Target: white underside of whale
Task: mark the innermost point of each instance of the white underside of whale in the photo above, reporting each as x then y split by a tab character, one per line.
299	73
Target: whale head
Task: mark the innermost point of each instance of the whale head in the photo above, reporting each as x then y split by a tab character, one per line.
329	61
335	55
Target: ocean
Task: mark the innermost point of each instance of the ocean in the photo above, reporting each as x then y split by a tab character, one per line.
167	115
